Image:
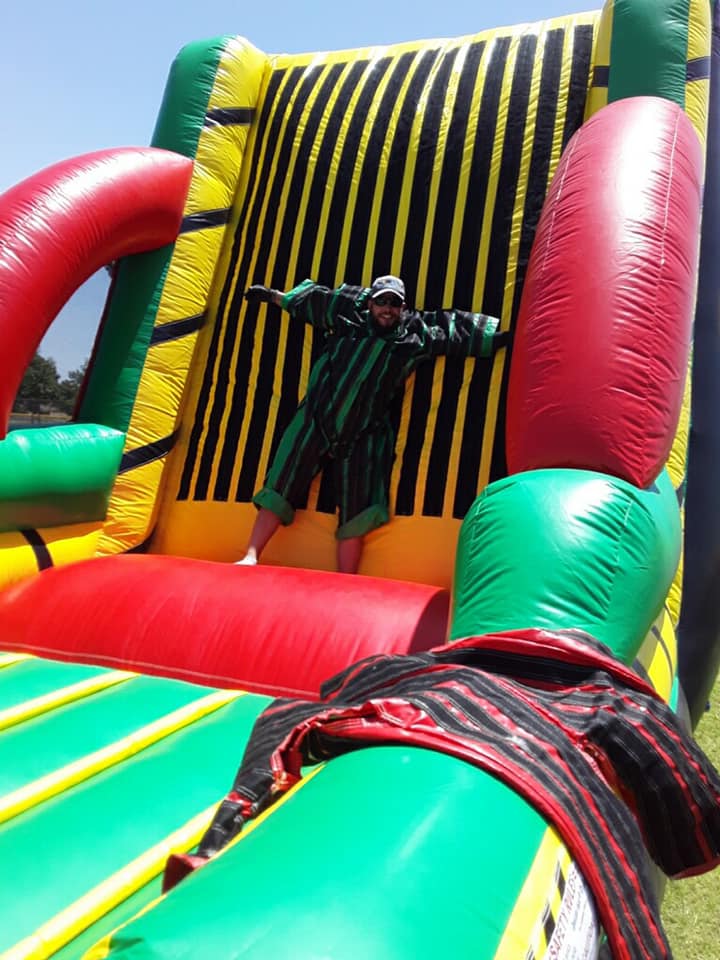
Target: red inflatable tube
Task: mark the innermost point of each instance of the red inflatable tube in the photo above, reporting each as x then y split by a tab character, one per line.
603	335
61	225
274	630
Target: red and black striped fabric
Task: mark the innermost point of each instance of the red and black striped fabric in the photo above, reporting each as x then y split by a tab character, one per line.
579	735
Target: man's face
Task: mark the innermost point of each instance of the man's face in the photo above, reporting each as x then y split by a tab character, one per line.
385	309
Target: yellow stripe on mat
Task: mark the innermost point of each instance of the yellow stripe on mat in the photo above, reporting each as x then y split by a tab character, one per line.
64	926
139	872
58	698
10	659
59	780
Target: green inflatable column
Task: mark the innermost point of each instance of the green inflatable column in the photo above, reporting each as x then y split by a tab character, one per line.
561	549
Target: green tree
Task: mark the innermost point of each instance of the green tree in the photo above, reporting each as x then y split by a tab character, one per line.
68	389
39	389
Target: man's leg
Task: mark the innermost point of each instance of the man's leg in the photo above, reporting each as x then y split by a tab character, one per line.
266	523
295	463
362	481
349	552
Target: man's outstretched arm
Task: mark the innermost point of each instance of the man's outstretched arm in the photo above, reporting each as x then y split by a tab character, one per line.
325	308
257	293
458	333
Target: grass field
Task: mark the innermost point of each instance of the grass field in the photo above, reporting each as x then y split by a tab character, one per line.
691	908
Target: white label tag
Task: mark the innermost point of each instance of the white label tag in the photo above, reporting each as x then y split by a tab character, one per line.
576	935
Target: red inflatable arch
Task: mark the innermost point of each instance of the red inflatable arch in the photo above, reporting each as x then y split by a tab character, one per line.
61	225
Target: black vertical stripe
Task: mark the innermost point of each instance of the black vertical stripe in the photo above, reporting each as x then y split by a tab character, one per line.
328	480
439	460
342	185
407	482
308	122
541	155
257	232
480	173
579	79
500	234
372	160
412	251
472	439
337	225
395	170
196	438
437	470
471	447
422	176
443	220
326	500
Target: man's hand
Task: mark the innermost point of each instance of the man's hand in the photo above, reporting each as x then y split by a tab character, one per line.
257	293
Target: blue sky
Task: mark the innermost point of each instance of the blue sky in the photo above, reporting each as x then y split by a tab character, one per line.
83	75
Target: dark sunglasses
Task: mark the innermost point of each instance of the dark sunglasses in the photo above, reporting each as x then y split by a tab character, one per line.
387	302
